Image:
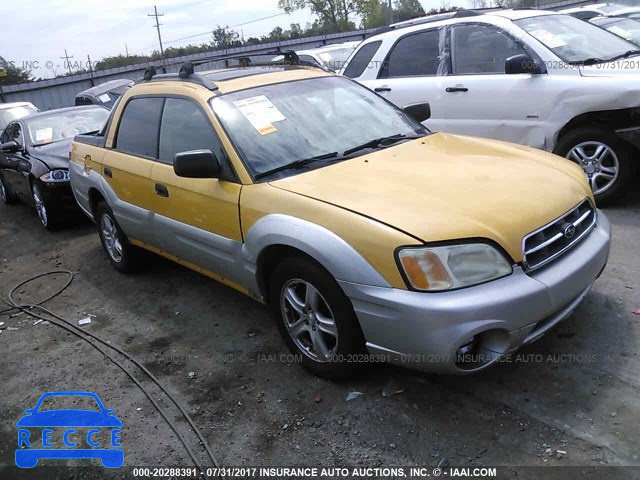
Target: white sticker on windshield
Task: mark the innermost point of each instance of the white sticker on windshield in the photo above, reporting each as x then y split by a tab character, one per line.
44	135
259	111
104	98
548	38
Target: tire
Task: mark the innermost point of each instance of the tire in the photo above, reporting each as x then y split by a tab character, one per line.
327	334
6	196
609	173
48	214
124	256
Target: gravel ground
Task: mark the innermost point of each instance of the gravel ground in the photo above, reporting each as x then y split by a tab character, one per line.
574	391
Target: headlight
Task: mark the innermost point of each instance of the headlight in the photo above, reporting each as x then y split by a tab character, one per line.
452	266
56	176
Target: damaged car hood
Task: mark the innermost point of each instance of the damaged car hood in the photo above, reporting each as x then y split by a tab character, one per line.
445	187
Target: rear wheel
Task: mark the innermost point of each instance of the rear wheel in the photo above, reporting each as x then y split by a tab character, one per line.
5	195
605	159
124	256
315	318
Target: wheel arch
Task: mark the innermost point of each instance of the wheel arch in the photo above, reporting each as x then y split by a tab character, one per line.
275	237
608	119
95	197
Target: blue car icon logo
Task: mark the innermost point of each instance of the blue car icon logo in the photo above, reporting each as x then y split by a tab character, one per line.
57	433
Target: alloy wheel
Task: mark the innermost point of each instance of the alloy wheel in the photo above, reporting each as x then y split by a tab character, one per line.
40	206
309	320
599	163
111	238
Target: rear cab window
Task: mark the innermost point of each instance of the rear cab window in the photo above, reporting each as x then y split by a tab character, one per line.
139	127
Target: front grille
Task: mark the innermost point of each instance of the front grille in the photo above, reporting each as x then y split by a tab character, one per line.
543	245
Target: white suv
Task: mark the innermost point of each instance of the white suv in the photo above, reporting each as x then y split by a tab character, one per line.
537	78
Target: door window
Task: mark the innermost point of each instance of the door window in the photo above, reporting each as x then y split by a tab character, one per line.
479	49
185	127
413	55
361	60
139	127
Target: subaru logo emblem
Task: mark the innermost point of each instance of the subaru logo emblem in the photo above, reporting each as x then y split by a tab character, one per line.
569	231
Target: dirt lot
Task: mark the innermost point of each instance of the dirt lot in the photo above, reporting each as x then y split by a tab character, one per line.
255	408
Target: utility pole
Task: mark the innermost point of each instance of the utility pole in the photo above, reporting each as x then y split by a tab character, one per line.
156	14
390	13
126	49
90	71
66	59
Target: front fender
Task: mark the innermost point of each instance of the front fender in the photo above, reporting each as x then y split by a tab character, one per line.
327	248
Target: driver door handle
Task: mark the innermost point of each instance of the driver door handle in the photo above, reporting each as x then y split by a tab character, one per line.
382	89
456	89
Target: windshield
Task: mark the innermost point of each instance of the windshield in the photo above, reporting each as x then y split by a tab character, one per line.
274	125
573	40
623	27
7	115
54	127
336	58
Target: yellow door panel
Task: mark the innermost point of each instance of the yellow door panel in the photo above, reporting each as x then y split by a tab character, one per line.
129	177
207	204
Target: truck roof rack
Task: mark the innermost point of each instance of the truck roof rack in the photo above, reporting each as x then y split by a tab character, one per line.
187	69
427	19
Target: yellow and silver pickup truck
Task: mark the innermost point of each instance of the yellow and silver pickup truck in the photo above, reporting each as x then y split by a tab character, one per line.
366	235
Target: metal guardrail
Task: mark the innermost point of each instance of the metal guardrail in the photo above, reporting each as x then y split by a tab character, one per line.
60	92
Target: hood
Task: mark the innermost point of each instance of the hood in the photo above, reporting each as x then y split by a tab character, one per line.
446	187
625	67
53	155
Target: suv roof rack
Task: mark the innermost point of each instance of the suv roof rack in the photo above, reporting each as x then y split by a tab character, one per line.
187	69
428	19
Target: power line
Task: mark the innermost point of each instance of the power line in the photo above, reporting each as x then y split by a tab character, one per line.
232	26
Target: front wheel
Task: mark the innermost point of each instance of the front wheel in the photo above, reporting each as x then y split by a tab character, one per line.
315	318
122	255
48	214
605	159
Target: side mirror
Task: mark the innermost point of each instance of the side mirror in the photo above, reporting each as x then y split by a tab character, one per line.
522	64
196	164
10	147
418	111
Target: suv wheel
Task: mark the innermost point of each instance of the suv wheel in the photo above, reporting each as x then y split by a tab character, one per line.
605	159
315	318
5	195
122	255
47	213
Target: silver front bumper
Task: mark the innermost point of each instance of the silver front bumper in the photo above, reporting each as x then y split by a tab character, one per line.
425	330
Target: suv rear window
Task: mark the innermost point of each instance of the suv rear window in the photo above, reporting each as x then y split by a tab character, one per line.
139	127
361	59
413	55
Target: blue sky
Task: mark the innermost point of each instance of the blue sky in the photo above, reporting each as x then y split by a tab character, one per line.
40	31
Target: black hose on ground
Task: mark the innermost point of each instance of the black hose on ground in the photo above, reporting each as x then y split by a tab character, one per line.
87	336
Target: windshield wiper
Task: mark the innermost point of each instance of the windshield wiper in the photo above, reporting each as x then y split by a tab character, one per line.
626	54
296	164
381	142
589	61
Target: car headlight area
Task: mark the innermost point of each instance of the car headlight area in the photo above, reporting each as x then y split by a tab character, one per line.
56	176
449	267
